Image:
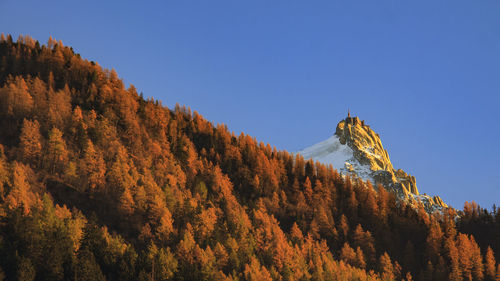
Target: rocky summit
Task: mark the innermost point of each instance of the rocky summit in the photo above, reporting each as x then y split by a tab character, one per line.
357	150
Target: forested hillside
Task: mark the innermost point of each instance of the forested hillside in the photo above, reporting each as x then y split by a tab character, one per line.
99	183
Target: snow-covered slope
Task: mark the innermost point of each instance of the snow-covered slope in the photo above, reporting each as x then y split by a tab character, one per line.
340	156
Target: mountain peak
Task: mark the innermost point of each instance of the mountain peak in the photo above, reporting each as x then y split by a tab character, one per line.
364	141
357	150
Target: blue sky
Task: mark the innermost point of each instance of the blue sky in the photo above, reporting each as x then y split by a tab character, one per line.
424	74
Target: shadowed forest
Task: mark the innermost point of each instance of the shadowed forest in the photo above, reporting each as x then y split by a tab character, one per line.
99	183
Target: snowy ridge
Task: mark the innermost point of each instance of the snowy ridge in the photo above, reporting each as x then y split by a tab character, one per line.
329	151
340	156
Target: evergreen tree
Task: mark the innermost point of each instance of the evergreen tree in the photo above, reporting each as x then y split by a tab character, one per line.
87	267
25	270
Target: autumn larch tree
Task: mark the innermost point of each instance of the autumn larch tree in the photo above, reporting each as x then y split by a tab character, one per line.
490	264
30	144
56	153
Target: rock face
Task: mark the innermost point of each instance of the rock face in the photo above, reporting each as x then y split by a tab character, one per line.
356	149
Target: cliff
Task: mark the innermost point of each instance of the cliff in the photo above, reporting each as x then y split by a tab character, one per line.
357	150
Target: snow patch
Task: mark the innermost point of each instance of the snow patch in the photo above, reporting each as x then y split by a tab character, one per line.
370	151
329	151
340	156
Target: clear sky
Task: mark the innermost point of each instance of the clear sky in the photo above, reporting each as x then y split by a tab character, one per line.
424	74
